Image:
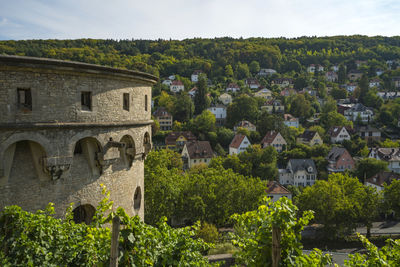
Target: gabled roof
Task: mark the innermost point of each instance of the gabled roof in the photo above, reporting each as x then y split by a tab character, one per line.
199	149
335	153
197	72
171	138
269	137
273	187
289	117
244	124
308	135
161	112
233	85
302	164
335	130
383	177
237	140
176	82
387	154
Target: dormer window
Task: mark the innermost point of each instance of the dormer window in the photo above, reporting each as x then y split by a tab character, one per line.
24	98
310	169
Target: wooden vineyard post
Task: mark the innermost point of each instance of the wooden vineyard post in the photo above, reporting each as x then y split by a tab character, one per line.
276	246
114	241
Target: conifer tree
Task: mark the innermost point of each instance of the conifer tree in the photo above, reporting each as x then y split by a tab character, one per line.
200	99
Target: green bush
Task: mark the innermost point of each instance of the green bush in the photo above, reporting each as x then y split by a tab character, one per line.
208	232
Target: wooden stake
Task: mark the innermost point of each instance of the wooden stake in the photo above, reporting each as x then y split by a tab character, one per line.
114	242
276	246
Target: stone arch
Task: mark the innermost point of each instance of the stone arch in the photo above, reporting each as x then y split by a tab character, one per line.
23	162
84	214
89	149
74	139
137	199
128	153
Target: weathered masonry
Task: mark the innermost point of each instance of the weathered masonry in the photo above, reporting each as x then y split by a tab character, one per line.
66	128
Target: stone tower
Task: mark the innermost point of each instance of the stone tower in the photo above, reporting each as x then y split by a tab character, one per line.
67	127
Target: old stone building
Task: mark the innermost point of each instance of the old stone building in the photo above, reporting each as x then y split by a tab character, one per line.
66	128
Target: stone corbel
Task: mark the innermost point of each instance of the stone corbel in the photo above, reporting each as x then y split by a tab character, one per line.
56	166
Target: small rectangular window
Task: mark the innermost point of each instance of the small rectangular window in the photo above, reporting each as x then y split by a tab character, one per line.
145	103
86	100
24	98
126	101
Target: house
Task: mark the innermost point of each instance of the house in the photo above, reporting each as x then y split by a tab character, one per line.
264	93
355	75
396	82
335	68
312	68
273	106
252	83
310	138
388	95
369	133
164	118
339	160
290	120
232	87
196	152
225	98
359	111
390	155
288	92
176	86
192	92
359	63
298	172
331	76
179	139
350	87
167	82
219	112
379	180
245	124
374	83
379	72
275	139
282	82
275	191
239	144
266	72
195	76
339	133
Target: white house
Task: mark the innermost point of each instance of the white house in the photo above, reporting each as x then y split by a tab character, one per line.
298	172
359	110
350	87
225	98
192	92
275	191
239	144
390	155
266	72
232	87
176	86
374	83
219	112
339	133
312	68
167	82
290	121
195	76
331	76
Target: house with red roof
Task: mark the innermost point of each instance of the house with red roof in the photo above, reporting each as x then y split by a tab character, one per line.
176	86
239	144
232	87
379	180
275	191
275	139
179	139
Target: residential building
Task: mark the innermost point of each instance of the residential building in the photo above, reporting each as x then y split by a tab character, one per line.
232	87
388	95
164	119
282	82
312	68
195	76
396	82
359	112
339	160
192	92
350	87
275	139
288	92
196	152
298	172
275	191
266	72
167	82
239	144
219	112
369	133
331	76
355	75
374	83
335	68
310	138
225	98
339	133
252	83
390	155
379	72
273	106
179	139
379	180
290	121
359	63
245	124
264	93
176	86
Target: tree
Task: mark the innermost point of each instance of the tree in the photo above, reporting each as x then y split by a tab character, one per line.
391	198
334	118
254	67
242	108
300	107
242	71
300	83
342	74
183	108
228	71
363	84
203	123
368	167
166	101
200	98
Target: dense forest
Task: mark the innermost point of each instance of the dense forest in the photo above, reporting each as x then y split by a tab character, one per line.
218	57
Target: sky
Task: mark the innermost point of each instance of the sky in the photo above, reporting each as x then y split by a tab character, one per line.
182	19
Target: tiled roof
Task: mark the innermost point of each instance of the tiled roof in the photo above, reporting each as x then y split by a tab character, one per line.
335	130
308	135
383	177
161	112
237	140
244	124
171	138
335	153
273	187
269	137
289	117
176	83
302	164
199	149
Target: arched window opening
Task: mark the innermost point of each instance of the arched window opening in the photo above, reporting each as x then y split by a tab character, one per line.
84	214
137	199
128	153
89	149
146	143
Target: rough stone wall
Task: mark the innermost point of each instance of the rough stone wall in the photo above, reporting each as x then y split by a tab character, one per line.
37	160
